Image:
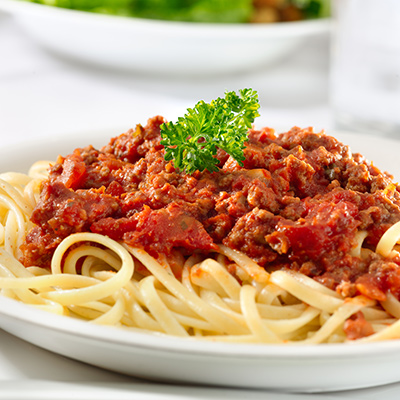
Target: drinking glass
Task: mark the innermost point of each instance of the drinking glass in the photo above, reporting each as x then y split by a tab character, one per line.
365	66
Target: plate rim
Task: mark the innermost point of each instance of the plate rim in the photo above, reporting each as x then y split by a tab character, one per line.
189	346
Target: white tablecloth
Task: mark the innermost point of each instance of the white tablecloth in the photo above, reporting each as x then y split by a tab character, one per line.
42	95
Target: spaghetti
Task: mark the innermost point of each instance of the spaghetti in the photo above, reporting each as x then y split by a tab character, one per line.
221	292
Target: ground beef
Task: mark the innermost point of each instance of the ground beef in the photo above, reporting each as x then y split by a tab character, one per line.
297	202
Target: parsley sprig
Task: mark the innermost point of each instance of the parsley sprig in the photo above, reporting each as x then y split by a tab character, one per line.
192	141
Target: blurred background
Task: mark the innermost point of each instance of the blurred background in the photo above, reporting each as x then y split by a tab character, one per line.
66	71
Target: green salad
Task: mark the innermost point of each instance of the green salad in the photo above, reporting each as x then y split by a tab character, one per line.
212	11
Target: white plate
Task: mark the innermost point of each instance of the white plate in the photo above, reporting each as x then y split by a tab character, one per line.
160	46
291	368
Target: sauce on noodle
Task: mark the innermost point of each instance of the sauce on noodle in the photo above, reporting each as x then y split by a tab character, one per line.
299	202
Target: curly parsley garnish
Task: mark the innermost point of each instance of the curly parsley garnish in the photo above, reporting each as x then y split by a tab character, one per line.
192	142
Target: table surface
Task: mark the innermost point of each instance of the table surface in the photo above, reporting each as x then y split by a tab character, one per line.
42	95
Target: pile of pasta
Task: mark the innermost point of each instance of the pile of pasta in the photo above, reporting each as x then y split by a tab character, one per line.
223	297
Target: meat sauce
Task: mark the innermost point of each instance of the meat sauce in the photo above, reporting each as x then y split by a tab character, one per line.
297	203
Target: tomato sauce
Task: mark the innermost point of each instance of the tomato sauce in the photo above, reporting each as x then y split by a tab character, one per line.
297	203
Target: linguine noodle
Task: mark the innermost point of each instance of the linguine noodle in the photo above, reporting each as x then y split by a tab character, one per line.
225	296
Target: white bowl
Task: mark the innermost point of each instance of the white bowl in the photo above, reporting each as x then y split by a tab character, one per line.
160	46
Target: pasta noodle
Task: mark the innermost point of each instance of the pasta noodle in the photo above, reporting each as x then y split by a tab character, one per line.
224	297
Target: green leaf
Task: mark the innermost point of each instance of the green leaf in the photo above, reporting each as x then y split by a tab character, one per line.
192	142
